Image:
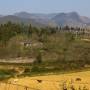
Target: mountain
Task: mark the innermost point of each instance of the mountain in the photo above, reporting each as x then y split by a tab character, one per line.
16	19
71	19
35	15
57	19
85	19
45	19
1	15
30	15
52	19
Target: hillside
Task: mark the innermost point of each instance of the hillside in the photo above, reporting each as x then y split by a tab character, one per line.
26	50
52	19
71	19
19	20
47	47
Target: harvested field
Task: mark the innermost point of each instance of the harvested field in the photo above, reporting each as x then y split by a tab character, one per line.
78	81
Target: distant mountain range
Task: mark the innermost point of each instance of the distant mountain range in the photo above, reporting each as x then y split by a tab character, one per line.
53	19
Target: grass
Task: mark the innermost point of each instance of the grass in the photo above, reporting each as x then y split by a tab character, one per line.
5	74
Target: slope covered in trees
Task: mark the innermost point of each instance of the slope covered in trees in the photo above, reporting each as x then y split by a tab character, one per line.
56	48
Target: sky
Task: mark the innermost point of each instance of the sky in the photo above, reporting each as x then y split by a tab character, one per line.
45	6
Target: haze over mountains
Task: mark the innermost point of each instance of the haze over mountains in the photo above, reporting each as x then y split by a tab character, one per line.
53	19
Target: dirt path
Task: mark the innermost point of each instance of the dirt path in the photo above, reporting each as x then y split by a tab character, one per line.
17	60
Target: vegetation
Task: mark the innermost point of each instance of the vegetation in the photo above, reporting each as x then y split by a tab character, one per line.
50	49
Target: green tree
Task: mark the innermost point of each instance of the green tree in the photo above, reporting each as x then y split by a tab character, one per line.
30	30
38	59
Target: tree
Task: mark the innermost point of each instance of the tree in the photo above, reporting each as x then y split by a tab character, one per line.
38	59
30	31
66	27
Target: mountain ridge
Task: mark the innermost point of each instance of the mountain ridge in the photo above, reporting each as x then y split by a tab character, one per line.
52	19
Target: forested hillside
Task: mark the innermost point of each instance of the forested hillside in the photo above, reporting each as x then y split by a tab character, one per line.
57	48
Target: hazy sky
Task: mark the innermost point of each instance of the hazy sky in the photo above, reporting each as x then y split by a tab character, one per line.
45	6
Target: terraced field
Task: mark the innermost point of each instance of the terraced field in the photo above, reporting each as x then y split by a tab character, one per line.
72	81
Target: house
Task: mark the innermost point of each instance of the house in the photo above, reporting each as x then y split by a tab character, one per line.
26	43
31	44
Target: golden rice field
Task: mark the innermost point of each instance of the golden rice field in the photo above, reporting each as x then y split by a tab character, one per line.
80	81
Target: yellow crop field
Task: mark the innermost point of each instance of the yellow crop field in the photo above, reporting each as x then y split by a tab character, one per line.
72	81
